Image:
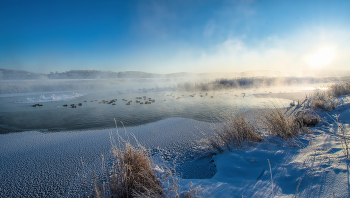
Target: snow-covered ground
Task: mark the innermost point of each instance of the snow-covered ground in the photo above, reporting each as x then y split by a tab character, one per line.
315	160
37	164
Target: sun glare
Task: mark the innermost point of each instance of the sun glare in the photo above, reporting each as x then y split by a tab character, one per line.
320	58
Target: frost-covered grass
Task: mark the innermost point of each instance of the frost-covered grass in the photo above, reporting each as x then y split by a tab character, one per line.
325	99
337	90
131	175
282	125
238	132
235	132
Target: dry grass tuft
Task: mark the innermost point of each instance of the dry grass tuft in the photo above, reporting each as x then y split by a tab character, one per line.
281	125
131	176
237	131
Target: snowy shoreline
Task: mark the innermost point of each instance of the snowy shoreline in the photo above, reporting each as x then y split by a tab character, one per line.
49	164
314	166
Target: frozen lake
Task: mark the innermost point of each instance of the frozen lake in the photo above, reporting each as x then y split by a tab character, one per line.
18	114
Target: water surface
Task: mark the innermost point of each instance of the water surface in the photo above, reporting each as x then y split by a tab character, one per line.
18	114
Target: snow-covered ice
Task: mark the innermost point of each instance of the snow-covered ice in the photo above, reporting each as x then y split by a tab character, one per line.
35	164
50	98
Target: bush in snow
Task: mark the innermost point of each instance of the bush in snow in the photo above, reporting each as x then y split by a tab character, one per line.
287	126
132	175
325	99
236	132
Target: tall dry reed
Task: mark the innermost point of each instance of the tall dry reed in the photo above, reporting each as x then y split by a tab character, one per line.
281	125
235	132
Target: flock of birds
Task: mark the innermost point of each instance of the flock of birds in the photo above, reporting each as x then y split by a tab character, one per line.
140	100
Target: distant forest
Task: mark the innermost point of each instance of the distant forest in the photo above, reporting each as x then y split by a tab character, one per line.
9	74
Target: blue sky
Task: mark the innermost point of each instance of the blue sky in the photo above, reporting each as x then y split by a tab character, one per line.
174	36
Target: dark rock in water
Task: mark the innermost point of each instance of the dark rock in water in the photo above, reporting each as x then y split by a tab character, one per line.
80	104
65	105
35	105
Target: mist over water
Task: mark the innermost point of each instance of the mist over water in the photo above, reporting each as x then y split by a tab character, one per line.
204	100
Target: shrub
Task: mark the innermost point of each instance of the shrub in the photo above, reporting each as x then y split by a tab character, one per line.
324	100
321	100
131	176
337	90
236	132
281	125
307	118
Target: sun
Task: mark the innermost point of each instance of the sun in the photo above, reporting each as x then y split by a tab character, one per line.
322	57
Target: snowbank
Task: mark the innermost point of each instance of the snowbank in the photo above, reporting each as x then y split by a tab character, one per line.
315	160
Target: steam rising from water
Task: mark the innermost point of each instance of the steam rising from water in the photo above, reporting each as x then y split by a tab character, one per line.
151	84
